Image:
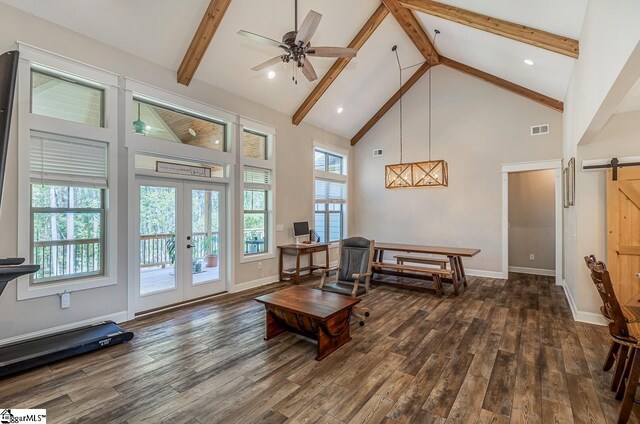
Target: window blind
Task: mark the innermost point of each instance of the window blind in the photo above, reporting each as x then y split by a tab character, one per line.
257	178
67	161
329	191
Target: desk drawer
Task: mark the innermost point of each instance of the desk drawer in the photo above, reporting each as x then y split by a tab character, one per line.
313	249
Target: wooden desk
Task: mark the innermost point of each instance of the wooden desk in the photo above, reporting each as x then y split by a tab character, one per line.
455	255
299	250
316	314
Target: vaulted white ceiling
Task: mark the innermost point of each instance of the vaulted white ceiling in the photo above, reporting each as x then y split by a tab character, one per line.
161	30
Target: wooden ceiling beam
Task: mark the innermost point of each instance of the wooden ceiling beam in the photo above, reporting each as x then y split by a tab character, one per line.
201	39
535	37
338	66
412	27
392	101
514	88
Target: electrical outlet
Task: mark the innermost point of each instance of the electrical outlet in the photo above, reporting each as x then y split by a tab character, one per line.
259	265
279	227
532	257
65	300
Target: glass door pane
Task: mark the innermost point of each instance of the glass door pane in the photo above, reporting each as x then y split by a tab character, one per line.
205	232
158	248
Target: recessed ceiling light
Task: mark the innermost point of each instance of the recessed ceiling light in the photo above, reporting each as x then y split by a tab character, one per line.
192	132
528	62
340	109
148	128
271	74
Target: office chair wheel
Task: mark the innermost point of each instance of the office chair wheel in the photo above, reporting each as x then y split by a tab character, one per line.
366	314
361	323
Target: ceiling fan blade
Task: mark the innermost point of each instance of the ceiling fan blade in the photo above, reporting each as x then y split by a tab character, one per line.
308	28
308	71
260	38
332	52
268	63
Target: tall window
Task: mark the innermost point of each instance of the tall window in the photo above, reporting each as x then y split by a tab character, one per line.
330	187
68	187
256	199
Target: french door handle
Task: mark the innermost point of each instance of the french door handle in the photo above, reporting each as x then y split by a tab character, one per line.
189	246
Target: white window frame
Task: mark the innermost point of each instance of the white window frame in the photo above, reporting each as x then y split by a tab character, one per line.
27	123
332	176
268	164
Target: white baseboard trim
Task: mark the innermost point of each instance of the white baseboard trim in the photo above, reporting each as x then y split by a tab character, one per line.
253	284
118	317
533	271
581	316
486	274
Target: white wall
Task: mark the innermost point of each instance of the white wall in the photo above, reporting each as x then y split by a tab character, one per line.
619	138
294	152
608	44
532	222
476	128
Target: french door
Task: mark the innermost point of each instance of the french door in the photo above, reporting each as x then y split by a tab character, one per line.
180	233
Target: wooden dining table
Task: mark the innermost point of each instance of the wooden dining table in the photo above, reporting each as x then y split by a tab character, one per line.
455	255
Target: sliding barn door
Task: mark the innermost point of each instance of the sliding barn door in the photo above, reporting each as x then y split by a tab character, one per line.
623	234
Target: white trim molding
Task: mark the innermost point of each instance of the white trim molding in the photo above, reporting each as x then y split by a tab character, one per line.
555	164
235	288
532	271
581	316
117	317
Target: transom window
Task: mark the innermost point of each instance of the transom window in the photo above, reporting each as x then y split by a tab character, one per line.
328	162
178	126
62	97
254	145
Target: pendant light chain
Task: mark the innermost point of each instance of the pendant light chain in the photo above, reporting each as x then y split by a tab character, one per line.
435	35
395	49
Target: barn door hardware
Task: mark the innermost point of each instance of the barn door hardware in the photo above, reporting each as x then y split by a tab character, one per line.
614	165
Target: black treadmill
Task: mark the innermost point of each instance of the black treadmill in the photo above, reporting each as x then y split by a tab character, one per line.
39	351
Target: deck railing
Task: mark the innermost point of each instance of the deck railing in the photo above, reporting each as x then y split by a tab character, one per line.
67	258
75	258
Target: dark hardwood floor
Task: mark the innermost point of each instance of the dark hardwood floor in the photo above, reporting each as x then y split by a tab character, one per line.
503	351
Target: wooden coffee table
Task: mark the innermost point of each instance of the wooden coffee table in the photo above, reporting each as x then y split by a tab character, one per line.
313	313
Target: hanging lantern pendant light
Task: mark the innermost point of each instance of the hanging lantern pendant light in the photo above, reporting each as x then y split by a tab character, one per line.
432	173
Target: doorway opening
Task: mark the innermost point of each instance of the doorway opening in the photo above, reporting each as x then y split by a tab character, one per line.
532	222
532	219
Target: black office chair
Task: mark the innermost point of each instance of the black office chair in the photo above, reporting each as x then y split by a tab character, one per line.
354	272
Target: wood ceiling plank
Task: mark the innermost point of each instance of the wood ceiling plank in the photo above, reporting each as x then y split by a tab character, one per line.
389	104
535	37
201	39
507	85
338	66
414	30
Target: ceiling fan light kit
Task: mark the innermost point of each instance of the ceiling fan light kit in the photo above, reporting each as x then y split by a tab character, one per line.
297	46
431	173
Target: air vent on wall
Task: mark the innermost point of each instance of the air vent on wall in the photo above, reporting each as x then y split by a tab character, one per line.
540	129
377	152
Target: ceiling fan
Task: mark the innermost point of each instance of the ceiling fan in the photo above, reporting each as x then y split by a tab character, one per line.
297	46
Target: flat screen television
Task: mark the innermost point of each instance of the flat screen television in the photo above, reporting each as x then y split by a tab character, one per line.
8	72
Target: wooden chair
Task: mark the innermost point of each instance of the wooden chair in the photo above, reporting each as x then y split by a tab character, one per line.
631	314
624	333
354	272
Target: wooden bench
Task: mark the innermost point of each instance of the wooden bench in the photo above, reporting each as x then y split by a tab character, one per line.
442	263
405	271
